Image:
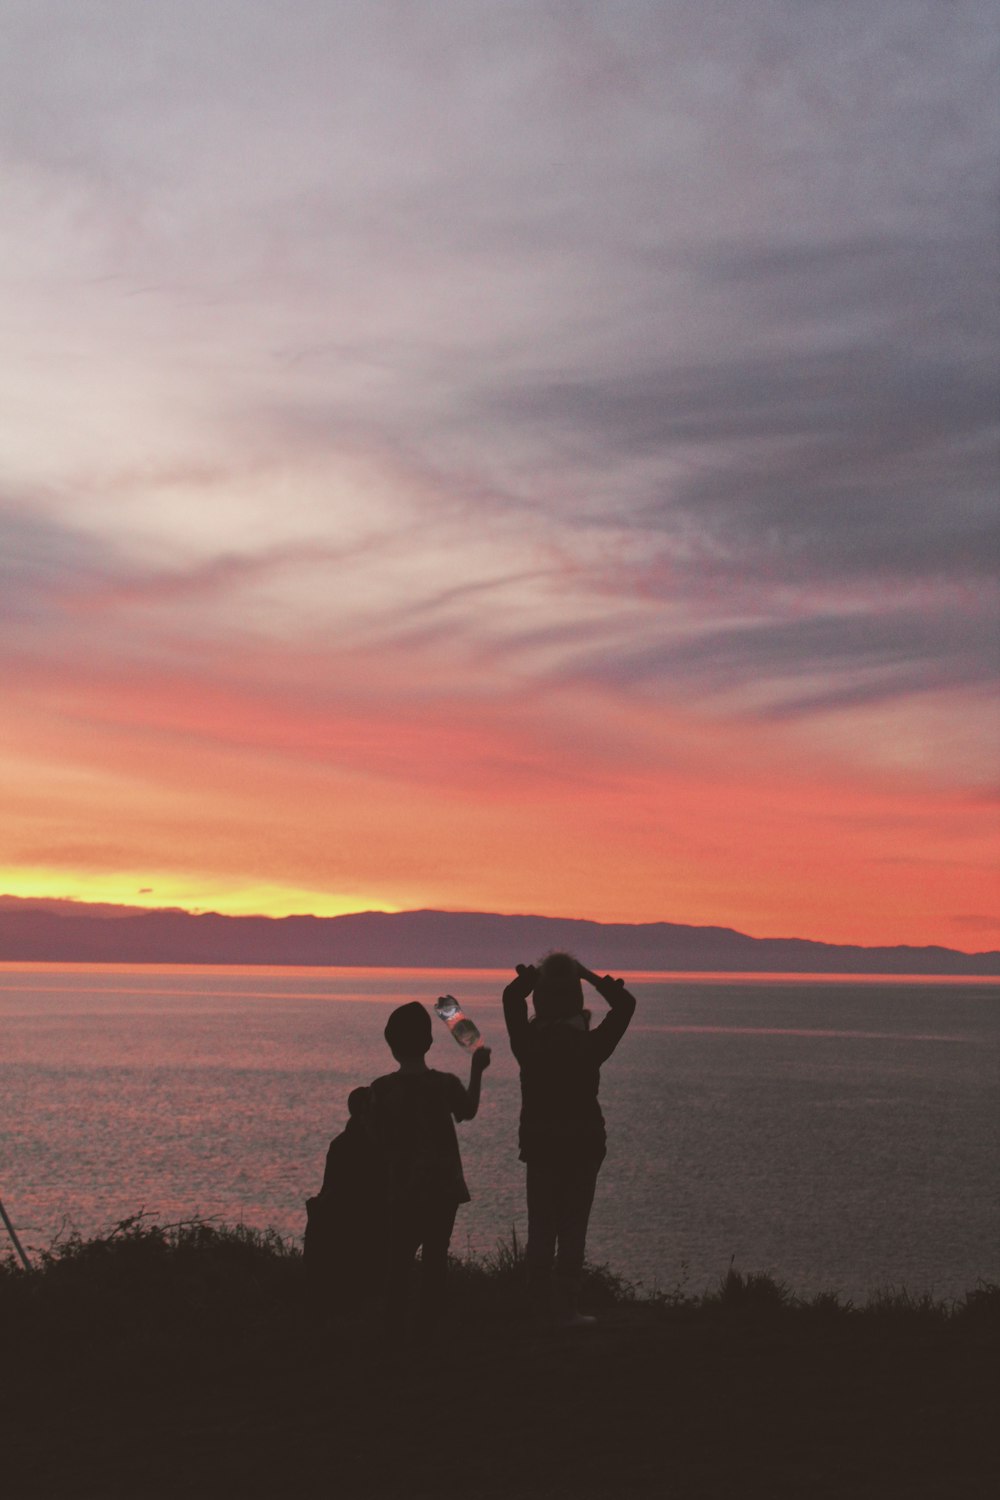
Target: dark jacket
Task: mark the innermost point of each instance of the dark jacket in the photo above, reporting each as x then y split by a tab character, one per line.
560	1065
413	1120
345	1221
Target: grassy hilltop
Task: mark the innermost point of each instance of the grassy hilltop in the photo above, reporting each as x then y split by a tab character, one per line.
191	1361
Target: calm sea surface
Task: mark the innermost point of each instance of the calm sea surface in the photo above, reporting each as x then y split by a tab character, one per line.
838	1134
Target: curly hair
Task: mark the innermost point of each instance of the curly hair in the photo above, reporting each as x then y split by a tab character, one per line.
558	991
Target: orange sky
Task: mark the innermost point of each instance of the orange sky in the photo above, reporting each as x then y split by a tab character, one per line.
517	466
266	795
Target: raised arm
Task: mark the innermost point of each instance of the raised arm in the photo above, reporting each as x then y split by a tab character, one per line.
515	1007
477	1067
621	1008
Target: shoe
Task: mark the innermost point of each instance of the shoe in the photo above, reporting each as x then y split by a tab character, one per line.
576	1320
565	1290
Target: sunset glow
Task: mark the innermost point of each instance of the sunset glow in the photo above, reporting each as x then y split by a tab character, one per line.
517	465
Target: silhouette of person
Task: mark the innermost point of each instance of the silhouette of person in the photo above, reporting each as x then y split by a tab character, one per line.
345	1228
562	1135
413	1121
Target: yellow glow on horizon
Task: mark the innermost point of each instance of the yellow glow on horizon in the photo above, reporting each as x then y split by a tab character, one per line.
192	895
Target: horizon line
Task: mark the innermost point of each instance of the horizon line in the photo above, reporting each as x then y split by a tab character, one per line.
47	903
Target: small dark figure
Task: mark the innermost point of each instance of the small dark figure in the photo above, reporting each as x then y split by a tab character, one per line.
413	1120
562	1137
345	1222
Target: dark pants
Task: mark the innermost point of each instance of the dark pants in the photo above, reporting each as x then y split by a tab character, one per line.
425	1227
560	1194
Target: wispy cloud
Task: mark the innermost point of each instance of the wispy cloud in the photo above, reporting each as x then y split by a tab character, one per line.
495	397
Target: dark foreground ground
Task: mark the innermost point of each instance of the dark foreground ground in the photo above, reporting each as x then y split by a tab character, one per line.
192	1363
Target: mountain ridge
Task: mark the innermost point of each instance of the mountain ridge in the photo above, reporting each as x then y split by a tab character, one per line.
430	938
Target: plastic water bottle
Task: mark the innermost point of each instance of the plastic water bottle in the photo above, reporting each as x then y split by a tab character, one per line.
465	1032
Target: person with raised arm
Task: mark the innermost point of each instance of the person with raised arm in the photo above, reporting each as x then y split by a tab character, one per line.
562	1136
413	1113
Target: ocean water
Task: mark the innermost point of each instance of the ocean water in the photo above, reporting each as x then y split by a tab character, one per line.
837	1134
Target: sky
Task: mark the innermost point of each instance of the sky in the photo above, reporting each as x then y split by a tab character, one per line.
529	457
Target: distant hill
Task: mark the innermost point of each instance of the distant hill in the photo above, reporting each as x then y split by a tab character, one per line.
32	932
